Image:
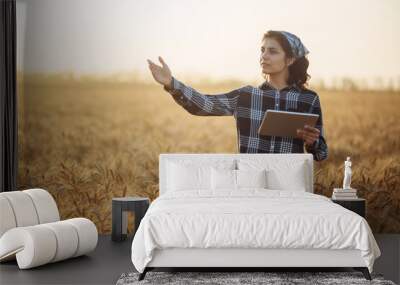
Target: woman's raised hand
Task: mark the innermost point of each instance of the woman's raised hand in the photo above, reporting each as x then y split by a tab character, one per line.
162	74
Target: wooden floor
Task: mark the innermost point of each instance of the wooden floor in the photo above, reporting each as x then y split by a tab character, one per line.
111	259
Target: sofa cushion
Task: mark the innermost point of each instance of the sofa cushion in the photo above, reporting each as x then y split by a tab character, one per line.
45	205
44	243
7	220
24	211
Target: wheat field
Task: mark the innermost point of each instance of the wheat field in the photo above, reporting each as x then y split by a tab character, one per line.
89	141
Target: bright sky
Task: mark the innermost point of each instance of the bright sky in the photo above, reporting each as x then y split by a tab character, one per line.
216	38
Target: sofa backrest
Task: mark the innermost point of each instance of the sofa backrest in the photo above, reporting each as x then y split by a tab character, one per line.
245	159
26	208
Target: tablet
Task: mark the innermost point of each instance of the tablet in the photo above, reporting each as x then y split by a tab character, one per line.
285	124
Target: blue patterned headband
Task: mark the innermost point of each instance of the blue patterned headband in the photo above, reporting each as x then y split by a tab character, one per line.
297	46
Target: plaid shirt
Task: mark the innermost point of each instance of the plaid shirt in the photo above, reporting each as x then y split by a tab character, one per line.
248	105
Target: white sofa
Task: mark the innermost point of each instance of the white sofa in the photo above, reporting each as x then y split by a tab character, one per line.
31	231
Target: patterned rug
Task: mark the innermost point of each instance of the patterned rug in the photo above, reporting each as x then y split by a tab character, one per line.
242	278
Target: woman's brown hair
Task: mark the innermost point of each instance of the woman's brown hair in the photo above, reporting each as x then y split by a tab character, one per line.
298	69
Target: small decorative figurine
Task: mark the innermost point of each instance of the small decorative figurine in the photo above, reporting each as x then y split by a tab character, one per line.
347	174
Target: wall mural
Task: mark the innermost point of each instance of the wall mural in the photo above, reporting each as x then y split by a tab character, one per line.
89	138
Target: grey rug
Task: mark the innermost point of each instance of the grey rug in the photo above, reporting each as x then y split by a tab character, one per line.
225	278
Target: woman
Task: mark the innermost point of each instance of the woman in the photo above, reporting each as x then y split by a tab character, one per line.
284	67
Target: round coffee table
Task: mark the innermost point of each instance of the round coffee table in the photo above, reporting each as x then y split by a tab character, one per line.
120	208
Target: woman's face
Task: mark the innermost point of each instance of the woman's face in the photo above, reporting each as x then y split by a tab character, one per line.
272	57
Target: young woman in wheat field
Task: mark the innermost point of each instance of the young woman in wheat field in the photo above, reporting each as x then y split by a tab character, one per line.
284	67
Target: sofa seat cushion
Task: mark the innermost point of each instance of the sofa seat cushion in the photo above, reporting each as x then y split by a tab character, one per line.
44	243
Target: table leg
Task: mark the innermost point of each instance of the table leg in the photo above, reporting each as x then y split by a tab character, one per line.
140	211
124	224
116	232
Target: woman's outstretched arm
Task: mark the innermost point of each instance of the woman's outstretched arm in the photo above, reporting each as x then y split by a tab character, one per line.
190	99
